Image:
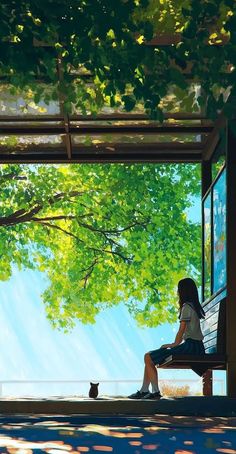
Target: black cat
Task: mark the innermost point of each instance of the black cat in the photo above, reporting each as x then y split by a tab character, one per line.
93	392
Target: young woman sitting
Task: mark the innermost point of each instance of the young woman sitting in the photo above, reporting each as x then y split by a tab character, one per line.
188	339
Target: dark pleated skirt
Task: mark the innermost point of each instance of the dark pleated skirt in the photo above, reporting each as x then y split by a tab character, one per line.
188	347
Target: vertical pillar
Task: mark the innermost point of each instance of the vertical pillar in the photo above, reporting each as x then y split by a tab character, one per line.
206	176
231	261
206	180
207	383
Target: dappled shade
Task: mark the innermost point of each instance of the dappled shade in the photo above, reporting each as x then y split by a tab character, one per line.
81	434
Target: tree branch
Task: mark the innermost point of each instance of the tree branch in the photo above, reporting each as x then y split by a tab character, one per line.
61	217
11	176
90	270
25	216
19	216
111	232
126	259
53	226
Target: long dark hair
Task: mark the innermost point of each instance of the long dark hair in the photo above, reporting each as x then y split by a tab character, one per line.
188	293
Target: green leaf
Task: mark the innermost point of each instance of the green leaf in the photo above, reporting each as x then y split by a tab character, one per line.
129	102
119	239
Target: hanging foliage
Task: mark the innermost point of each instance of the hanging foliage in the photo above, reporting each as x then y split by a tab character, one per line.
96	53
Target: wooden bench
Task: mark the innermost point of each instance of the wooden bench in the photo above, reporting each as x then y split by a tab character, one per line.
213	327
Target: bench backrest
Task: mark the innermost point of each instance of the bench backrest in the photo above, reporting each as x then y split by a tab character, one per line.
213	326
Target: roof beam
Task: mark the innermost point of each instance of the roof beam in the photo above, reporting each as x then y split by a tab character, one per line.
114	116
91	129
67	136
107	146
99	153
89	158
213	138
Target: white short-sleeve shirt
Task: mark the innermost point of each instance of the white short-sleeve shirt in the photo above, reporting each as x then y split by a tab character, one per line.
193	329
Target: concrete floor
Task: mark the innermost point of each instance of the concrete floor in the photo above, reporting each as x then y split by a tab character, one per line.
78	434
217	406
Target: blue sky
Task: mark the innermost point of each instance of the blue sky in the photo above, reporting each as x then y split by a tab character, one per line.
112	349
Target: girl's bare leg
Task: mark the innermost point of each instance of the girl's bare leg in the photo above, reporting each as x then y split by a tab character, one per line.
151	372
146	381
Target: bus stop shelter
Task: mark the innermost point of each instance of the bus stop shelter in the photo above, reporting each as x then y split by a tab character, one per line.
116	136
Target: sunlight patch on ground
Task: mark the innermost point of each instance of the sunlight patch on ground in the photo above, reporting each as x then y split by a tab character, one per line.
116	434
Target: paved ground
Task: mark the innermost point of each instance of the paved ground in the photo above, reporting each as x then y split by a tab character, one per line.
77	434
104	405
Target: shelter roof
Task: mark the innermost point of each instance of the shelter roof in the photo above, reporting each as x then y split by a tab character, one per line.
45	133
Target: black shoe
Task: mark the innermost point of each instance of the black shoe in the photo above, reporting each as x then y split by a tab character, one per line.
138	395
153	396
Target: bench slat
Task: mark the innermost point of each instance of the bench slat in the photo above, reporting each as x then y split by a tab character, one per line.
209	329
211	304
211	343
211	350
210	336
209	322
218	298
185	361
212	310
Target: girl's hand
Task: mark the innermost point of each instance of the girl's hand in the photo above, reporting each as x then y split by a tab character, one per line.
167	346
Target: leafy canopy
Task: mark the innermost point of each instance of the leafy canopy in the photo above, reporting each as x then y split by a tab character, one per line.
93	53
103	234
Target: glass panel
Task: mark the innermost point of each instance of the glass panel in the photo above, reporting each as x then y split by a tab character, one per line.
207	246
32	144
23	142
114	138
135	122
219	232
30	123
177	100
22	104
